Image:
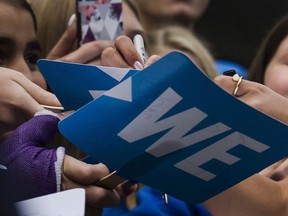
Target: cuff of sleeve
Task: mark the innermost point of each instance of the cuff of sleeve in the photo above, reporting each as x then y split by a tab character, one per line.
46	112
58	166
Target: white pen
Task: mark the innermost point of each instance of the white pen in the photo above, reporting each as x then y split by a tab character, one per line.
139	45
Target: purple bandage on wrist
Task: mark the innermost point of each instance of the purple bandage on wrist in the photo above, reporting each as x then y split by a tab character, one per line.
30	164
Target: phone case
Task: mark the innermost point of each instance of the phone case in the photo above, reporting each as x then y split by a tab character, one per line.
99	20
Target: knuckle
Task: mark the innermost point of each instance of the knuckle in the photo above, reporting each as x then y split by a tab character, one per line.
107	53
121	39
87	172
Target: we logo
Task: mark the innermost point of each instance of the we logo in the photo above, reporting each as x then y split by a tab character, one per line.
147	124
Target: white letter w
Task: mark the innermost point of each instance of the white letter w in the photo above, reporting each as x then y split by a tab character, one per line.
147	124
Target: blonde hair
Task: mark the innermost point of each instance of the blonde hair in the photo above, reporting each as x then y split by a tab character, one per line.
52	19
181	39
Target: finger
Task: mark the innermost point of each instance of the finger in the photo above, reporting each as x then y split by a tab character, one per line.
127	188
100	197
229	85
83	173
97	62
96	197
257	96
252	93
281	172
40	95
152	59
17	106
65	43
110	57
87	52
24	106
269	170
248	92
127	50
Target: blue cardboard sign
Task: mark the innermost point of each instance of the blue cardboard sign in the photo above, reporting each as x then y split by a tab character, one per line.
77	84
171	128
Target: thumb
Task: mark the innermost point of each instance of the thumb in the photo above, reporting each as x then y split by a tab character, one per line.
65	43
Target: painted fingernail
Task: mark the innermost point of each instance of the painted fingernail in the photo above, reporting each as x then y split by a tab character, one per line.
229	73
138	65
71	20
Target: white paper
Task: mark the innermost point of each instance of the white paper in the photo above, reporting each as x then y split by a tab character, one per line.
66	203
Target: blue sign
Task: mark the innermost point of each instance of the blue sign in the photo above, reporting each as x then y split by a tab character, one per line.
77	84
171	128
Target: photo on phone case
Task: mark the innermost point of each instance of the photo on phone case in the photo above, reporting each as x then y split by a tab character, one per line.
99	19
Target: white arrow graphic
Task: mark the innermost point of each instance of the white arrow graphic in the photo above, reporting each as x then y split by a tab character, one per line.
122	91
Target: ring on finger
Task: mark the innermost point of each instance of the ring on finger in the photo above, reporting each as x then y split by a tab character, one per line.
237	79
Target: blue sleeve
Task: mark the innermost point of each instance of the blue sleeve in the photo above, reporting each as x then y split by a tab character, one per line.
150	202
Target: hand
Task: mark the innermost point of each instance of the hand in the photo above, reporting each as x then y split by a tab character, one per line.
77	174
258	96
124	55
50	170
28	161
20	99
267	101
89	53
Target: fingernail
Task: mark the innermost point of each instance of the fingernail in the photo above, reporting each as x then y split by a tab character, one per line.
138	65
229	73
71	20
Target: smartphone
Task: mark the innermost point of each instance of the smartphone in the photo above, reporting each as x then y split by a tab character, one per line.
99	20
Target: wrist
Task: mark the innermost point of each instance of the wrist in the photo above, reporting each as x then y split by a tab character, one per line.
60	153
45	112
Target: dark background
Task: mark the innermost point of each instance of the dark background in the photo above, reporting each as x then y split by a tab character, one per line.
234	29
